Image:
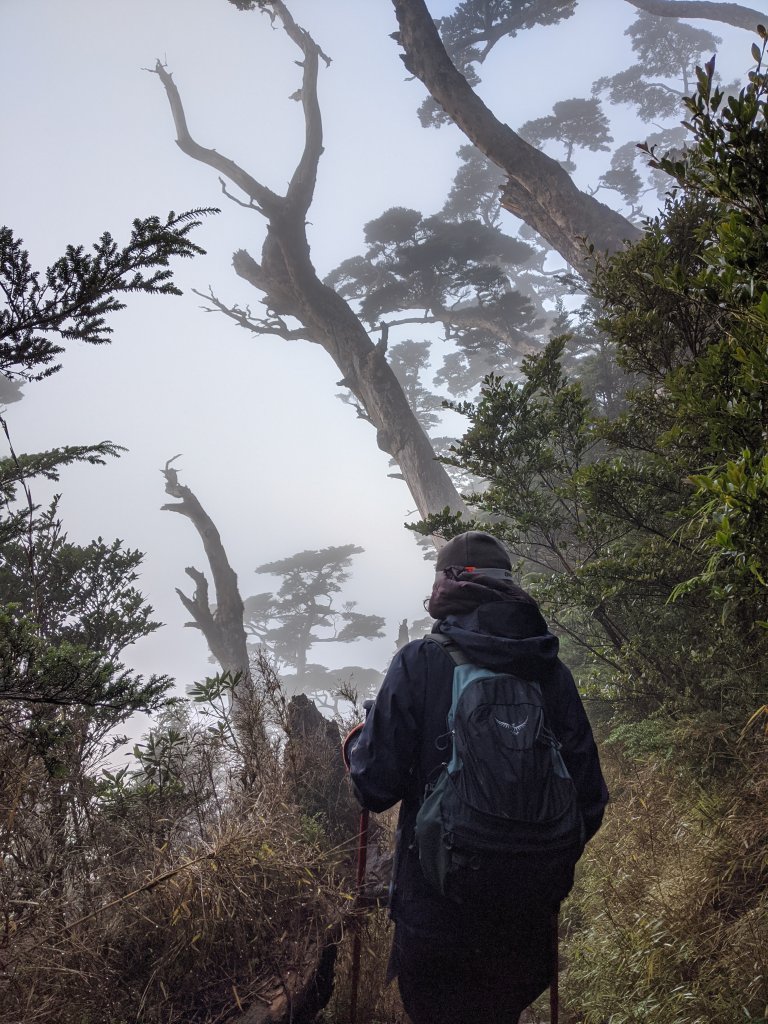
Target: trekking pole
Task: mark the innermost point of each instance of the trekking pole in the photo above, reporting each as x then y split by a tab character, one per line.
362	856
554	993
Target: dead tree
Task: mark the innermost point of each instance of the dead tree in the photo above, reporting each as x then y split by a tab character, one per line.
221	626
294	292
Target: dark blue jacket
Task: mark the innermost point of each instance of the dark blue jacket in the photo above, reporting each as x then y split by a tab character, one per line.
405	743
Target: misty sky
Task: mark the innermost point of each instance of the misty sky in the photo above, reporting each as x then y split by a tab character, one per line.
278	461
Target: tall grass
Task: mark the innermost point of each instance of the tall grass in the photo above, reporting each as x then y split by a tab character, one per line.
669	919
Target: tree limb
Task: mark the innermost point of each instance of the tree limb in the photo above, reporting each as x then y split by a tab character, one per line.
302	185
729	14
538	189
198	605
250	205
264	198
426	319
293	290
273	325
223	627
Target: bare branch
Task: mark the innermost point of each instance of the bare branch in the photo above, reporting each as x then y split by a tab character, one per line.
273	325
198	605
302	185
729	14
251	205
409	320
222	628
266	199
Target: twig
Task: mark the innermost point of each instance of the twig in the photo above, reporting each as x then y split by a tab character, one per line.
151	884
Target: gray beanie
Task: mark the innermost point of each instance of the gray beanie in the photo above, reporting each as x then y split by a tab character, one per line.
476	549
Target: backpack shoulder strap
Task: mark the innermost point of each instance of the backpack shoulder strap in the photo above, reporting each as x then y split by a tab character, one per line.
450	647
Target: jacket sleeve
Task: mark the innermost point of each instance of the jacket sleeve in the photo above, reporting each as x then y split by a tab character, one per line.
572	728
382	762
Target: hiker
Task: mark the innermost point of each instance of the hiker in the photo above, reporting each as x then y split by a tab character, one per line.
473	961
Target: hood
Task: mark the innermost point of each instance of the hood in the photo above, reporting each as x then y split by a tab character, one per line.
495	623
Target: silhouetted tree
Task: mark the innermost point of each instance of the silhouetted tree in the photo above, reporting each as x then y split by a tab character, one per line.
295	294
67	611
221	623
490	305
305	610
574	122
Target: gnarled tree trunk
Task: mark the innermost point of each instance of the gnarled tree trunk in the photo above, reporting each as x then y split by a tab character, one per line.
538	190
292	289
729	14
223	627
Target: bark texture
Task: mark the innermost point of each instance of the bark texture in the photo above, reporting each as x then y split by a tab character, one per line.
728	14
223	628
538	190
287	277
316	769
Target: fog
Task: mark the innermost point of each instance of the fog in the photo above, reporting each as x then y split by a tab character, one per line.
278	461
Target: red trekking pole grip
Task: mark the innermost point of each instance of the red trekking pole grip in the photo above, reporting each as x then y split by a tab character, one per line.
349	741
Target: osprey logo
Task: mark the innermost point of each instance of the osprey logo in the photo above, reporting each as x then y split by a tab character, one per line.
517	728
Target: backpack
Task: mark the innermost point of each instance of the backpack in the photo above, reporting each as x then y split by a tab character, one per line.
501	827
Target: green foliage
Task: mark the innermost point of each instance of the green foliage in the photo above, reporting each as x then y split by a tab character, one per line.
720	398
67	611
81	594
642	529
37	672
527	439
17	471
14	471
72	299
215	696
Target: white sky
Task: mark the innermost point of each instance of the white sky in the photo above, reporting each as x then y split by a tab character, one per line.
278	461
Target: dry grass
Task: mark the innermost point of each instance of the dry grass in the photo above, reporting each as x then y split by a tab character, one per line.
377	1003
193	895
669	921
191	938
186	893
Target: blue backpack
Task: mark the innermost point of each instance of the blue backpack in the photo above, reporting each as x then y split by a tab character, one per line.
501	827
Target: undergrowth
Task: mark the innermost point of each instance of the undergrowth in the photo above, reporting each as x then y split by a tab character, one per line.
669	919
217	873
199	883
